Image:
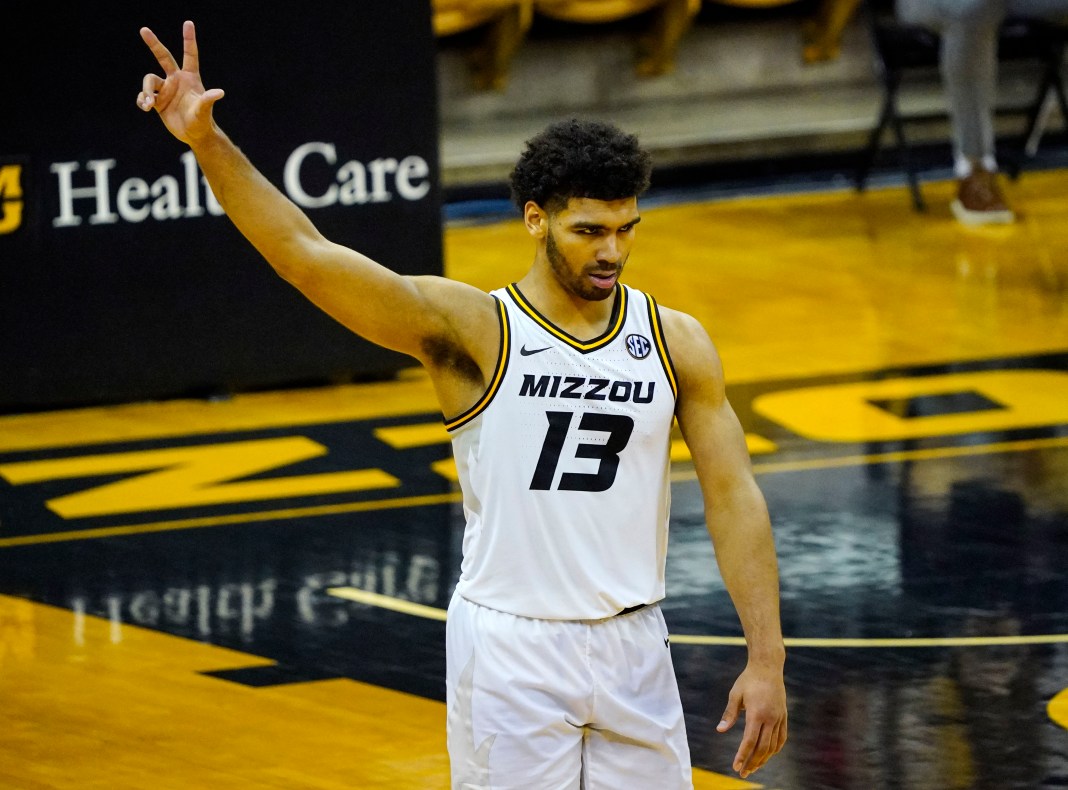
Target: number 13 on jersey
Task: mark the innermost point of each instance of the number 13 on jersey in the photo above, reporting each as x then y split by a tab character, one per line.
617	426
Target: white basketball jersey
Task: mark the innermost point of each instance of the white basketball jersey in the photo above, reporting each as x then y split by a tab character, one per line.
564	466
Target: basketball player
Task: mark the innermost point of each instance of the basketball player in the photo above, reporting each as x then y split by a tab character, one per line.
560	392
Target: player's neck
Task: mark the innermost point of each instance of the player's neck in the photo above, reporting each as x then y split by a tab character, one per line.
581	318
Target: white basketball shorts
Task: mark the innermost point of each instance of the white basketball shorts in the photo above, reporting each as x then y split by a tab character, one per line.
562	704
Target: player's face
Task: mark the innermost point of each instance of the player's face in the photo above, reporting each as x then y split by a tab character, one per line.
588	244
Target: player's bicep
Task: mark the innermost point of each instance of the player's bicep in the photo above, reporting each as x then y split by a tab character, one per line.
708	423
717	445
396	311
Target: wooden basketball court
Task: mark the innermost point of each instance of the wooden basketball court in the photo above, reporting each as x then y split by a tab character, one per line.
248	593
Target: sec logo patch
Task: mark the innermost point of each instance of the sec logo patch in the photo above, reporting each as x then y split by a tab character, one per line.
638	346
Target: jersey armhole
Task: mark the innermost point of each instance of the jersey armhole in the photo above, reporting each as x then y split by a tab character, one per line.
661	345
498	373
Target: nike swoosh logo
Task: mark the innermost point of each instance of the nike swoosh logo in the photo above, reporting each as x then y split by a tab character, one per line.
526	352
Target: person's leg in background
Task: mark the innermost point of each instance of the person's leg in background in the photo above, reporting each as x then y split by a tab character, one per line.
969	32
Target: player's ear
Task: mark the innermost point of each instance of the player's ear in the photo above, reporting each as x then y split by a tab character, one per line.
536	219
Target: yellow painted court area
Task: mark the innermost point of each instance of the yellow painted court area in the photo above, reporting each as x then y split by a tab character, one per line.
836	282
1058	708
89	704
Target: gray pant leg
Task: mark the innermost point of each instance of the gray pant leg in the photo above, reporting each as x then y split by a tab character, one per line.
969	32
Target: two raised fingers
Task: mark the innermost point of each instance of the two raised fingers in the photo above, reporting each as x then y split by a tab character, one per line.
190	53
153	83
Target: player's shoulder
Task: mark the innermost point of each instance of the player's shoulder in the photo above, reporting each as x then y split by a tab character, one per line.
692	350
683	328
673	321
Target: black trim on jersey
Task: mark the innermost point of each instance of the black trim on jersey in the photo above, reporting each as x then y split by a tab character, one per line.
615	321
498	373
661	344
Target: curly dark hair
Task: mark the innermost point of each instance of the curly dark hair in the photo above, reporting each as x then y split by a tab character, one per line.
580	158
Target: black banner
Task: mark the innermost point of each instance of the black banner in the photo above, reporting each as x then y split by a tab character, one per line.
119	277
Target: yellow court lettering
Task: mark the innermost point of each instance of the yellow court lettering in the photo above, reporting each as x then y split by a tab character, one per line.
851	412
191	476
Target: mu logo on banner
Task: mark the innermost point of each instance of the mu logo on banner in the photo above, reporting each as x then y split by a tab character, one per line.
11	201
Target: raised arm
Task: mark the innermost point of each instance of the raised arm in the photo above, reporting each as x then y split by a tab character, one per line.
738	522
445	324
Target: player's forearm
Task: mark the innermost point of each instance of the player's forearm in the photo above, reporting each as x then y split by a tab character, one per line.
745	553
278	229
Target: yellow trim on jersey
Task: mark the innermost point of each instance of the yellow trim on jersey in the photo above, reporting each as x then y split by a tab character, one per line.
498	373
661	345
548	326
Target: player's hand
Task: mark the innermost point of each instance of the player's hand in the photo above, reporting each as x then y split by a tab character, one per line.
762	695
179	95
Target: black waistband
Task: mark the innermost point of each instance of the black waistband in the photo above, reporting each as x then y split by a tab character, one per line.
631	609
